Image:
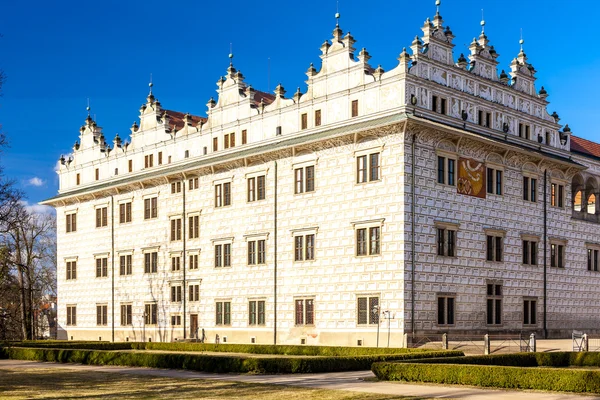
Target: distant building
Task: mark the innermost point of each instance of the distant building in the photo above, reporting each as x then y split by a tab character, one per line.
440	193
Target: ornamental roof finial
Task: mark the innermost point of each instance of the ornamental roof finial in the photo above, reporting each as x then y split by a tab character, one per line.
337	13
482	23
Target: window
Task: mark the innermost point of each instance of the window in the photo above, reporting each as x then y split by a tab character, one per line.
317	117
116	171
150	313
102	315
193	184
160	158
175	263
256	252
78	179
485	118
223	313
176	294
126	314
101	217
72	315
529	189
446	170
186	154
524	131
125	264
193	261
304	121
71	270
71	222
194	226
169	160
368	310
215	144
223	194
304	178
151	262
125	212
256	312
194	291
577	201
529	311
367	168
494	181
591	204
548	137
102	267
445	310
175	229
229	140
223	255
494	248
278	131
530	252
175	320
256	188
304	247
205	150
494	303
175	187
97	174
148	160
151	208
130	165
368	241
354	108
446	240
592	258
244	136
557	254
438	105
305	311
557	195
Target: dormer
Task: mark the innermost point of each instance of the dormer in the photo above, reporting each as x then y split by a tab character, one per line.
483	57
437	40
523	74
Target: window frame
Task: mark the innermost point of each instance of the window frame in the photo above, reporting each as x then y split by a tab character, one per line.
71	222
496	246
151	261
447	246
223	313
256	317
530	311
304	245
497	188
126	314
558	251
305	315
101	216
193	225
495	298
150	313
223	249
368	317
126	264
530	188
446	314
446	167
222	194
71	315
194	292
304	178
125	212
592	257
101	262
150	207
71	269
368	167
102	314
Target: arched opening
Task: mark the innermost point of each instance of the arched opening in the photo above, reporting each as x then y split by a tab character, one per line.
591	193
577	201
591	204
577	187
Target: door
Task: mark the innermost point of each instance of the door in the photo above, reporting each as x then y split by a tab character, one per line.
193	326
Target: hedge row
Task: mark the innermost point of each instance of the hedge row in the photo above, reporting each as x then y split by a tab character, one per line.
63	344
510	371
211	363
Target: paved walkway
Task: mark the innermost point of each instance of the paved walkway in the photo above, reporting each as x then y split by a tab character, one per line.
351	381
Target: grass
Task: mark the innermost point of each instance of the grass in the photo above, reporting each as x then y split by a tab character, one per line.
60	383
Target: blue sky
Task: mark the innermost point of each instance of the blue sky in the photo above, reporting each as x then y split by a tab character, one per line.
57	54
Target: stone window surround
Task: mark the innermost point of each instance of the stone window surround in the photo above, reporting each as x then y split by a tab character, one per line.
447	155
373	223
439	295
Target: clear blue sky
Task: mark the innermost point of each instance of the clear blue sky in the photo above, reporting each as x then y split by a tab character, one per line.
56	54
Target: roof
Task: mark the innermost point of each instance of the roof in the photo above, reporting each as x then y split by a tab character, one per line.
584	146
176	119
266	97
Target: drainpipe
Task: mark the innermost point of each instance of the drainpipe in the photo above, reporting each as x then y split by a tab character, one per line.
545	250
275	258
183	233
412	242
112	262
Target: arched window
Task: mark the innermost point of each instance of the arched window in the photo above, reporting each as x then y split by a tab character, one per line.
577	201
591	204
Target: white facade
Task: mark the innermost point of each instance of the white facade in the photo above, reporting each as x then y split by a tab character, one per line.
376	151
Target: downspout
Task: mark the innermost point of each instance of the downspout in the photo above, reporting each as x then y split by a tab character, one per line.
183	233
275	258
545	250
112	262
412	242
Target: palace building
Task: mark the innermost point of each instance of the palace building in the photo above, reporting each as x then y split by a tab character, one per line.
438	196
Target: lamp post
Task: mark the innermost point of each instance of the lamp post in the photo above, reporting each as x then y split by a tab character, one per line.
375	314
389	316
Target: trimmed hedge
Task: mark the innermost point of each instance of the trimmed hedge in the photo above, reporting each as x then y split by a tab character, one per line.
211	363
63	344
509	371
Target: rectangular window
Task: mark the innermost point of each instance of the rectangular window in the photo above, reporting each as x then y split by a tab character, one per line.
445	310
125	264
305	311
176	294
78	179
304	247
317	117
592	259
175	320
150	313
130	165
193	183
494	303
304	179
256	312
194	226
434	103
446	242
256	252
194	292
367	310
368	241
126	314
557	193
223	194
125	212
97	174
215	144
438	105
148	160
101	267
524	131
71	222
529	189
193	261
494	248
71	270
485	118
223	255
443	106
557	255
256	188
151	208
102	315
101	217
494	181
244	136
223	313
160	158
446	171
304	121
175	229
176	263
150	262
529	312
354	108
367	168
530	252
175	187
71	315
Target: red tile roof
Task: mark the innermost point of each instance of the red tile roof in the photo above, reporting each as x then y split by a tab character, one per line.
585	146
176	119
266	97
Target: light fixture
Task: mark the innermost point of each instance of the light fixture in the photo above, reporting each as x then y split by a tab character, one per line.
505	127
563	138
413	99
